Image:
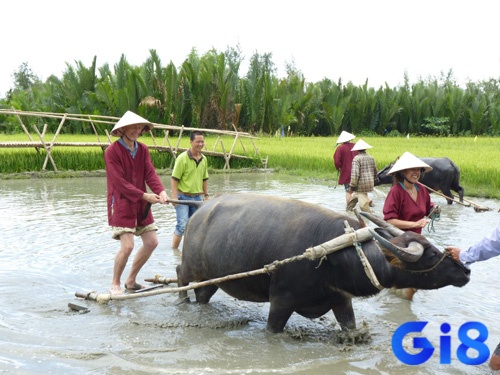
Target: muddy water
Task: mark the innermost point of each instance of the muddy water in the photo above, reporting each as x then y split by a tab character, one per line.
55	241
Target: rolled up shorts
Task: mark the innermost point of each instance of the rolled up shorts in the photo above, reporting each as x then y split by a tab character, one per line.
137	231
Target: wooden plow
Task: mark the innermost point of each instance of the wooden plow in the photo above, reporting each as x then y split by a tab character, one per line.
477	207
317	252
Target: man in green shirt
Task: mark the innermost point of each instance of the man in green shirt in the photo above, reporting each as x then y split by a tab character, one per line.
189	182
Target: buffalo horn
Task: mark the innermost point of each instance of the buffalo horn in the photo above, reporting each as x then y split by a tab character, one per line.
360	219
396	232
410	254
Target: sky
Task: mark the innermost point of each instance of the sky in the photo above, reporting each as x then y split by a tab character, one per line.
352	40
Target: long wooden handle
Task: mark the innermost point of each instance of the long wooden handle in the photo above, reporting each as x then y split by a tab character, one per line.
186	202
441	194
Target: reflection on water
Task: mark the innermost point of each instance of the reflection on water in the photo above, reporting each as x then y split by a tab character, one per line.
55	241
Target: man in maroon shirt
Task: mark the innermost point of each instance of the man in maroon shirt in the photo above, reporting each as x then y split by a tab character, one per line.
128	169
342	159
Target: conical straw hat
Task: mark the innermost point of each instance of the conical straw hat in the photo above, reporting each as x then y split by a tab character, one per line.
408	161
361	145
130	118
345	137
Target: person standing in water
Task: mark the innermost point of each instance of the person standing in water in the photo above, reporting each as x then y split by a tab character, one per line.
342	159
189	182
128	170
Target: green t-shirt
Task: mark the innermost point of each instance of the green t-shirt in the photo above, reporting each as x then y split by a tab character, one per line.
190	173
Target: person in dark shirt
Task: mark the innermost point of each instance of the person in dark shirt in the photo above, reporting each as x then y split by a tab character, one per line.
342	159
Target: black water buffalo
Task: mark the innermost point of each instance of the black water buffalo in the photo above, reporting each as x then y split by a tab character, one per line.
236	233
445	176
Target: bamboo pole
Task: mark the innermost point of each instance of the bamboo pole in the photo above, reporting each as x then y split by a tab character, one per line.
97	134
111	120
49	149
27	132
174	155
256	150
441	194
232	148
241	141
108	136
312	253
478	207
216	142
69	116
49	156
225	156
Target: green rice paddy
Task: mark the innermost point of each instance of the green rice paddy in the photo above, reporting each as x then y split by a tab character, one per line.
311	157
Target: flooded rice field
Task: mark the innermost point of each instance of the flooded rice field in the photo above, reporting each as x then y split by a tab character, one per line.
56	241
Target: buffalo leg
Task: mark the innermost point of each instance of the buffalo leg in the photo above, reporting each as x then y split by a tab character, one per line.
449	195
461	193
204	294
344	313
183	297
278	316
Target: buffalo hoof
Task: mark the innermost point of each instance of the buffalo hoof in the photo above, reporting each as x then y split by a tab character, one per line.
180	301
354	336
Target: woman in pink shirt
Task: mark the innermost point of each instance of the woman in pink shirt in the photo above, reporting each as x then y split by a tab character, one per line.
408	204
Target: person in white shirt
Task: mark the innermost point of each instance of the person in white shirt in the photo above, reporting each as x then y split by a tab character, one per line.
487	248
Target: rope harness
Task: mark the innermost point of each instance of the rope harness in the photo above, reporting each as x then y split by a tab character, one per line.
435	215
364	261
443	257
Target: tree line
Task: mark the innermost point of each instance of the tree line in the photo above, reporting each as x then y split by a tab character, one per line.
208	91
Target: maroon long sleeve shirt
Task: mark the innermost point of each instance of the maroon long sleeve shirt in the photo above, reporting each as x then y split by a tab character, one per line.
126	179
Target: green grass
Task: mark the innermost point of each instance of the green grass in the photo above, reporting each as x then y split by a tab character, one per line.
303	157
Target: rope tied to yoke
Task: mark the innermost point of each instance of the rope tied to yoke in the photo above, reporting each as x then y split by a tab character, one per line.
364	260
321	251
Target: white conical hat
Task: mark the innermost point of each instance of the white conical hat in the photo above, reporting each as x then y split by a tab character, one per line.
407	161
130	118
360	145
345	137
